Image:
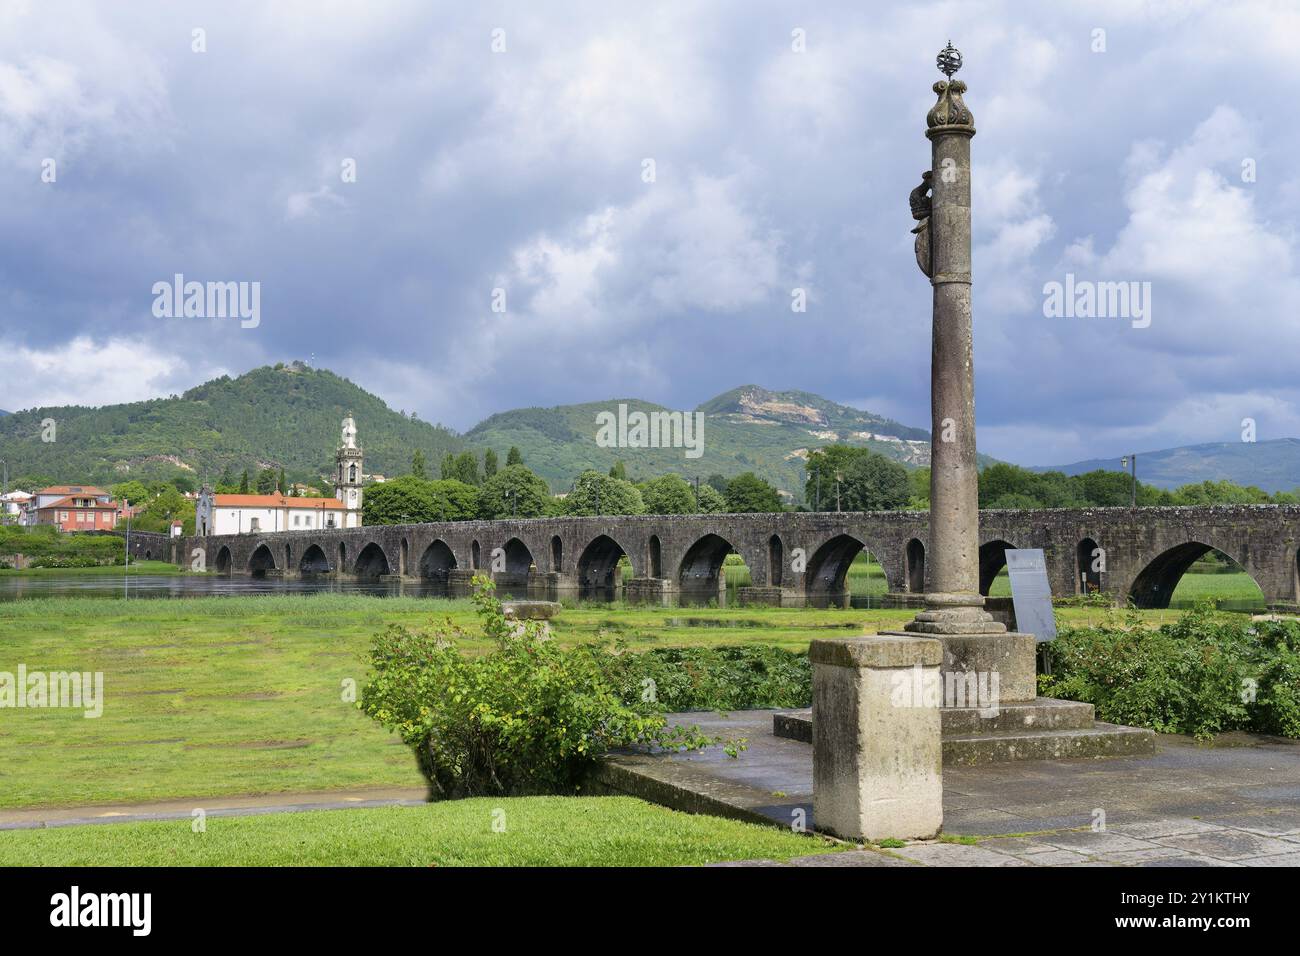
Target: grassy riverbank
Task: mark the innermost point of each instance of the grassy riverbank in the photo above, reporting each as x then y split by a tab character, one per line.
103	570
523	831
234	695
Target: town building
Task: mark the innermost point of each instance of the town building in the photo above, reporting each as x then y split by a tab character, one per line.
12	506
251	514
74	508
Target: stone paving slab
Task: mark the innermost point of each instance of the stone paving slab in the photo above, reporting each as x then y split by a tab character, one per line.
1190	804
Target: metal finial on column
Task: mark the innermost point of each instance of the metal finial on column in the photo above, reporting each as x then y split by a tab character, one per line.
949	60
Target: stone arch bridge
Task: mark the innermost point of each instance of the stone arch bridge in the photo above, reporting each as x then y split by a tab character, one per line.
1136	554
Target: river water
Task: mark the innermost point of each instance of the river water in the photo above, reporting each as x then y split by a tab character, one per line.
15	587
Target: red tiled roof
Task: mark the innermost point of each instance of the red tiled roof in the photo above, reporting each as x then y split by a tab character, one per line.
66	503
72	490
276	501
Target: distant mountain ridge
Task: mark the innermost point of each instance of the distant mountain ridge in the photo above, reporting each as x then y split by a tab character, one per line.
287	416
749	428
1271	465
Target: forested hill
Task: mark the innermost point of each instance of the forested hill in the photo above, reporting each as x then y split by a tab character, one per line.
284	417
745	429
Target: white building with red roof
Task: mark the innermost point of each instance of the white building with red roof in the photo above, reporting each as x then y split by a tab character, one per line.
252	514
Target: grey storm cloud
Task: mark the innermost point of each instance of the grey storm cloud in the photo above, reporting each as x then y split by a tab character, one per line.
1118	142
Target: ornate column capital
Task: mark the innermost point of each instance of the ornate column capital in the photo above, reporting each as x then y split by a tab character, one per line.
949	114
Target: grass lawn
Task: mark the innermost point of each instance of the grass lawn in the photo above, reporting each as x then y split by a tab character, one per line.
1233	588
245	695
137	567
538	831
231	695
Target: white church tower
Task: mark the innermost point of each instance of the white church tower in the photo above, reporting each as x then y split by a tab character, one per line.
347	478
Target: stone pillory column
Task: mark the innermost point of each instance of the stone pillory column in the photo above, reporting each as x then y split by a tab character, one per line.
954	609
877	754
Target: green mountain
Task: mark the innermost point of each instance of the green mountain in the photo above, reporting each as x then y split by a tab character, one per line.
282	417
746	429
1271	465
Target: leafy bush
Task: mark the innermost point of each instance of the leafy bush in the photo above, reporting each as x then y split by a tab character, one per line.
527	717
1201	674
47	542
74	561
742	677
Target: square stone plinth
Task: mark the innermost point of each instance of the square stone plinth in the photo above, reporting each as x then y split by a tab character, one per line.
877	754
1010	655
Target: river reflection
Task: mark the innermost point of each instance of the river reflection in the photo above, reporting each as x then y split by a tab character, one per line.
144	586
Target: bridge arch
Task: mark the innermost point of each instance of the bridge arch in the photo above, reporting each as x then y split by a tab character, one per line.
1156	582
519	560
438	561
828	568
404	558
702	562
224	562
775	560
261	560
914	566
1089	563
599	562
372	562
343	557
288	556
475	555
313	561
993	558
654	557
557	553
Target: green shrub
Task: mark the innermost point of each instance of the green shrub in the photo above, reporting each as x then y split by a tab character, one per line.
1202	674
743	677
527	717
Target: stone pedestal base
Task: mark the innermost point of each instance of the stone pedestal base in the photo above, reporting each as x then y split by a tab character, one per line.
649	591
1005	662
461	577
877	753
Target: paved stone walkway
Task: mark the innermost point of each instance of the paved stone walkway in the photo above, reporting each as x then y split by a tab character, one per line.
1235	803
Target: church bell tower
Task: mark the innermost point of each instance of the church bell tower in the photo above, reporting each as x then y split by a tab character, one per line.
347	474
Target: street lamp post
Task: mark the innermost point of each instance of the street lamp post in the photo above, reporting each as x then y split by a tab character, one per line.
1133	500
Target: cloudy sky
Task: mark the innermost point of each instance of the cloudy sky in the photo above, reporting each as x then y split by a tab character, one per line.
1117	141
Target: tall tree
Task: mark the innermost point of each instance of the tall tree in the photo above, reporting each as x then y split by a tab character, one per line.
266	481
489	463
618	470
417	464
243	483
749	493
594	493
514	490
467	469
514	456
669	495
